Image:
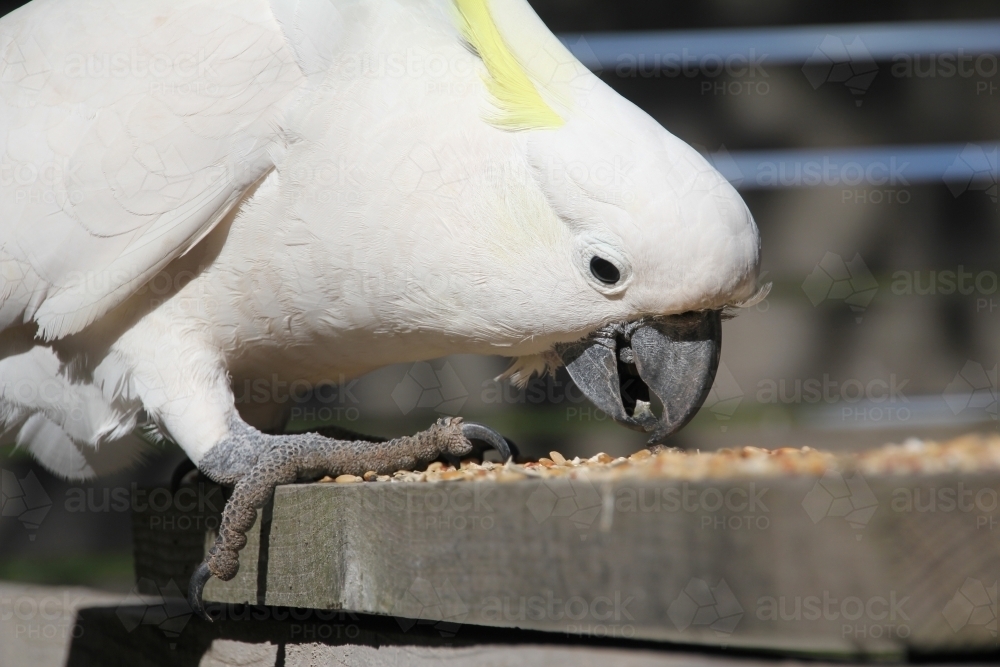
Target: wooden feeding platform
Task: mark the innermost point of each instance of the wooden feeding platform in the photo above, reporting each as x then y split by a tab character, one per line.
884	553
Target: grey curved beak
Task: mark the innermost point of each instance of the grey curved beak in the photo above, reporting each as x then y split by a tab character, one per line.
674	358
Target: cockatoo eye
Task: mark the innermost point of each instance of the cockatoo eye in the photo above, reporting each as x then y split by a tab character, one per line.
604	270
603	264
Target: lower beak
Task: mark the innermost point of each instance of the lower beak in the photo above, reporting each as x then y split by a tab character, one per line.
674	358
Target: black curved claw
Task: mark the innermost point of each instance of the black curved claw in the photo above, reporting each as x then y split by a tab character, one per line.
196	588
490	437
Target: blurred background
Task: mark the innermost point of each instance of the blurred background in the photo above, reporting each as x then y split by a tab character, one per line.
863	137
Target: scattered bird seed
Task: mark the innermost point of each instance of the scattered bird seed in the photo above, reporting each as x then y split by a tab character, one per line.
968	453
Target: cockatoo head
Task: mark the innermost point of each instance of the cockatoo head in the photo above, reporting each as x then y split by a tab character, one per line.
652	242
662	241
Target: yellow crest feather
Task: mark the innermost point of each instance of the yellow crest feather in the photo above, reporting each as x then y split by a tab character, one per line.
519	104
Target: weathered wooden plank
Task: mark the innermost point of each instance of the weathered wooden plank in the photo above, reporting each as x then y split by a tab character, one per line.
836	565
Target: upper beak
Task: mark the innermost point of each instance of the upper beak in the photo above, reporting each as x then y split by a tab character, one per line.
673	357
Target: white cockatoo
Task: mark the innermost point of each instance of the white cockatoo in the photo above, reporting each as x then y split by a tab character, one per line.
197	194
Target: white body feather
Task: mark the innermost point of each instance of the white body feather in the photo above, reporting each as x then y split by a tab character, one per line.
311	190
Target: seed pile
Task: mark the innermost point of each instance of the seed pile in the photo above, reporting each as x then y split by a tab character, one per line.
968	453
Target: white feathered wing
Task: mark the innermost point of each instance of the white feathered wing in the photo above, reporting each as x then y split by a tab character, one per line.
127	131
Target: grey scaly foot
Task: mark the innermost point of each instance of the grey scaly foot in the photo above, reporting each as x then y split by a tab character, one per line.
254	463
479	445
